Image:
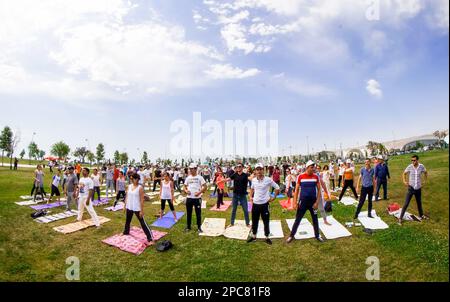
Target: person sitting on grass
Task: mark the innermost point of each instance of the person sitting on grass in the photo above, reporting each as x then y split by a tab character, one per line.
166	194
134	205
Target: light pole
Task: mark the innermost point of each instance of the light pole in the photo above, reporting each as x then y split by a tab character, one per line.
307	145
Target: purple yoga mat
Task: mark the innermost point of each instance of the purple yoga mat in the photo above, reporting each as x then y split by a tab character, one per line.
48	206
102	201
167	221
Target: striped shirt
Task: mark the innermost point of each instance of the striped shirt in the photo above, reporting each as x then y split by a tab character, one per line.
415	174
308	186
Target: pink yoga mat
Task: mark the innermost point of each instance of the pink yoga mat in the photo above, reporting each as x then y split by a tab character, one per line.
134	243
223	207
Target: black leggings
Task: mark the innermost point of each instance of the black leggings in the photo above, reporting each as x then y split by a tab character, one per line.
163	204
409	195
333	183
306	205
348	183
220	194
196	204
120	194
158	181
144	225
262	210
96	190
339	181
365	191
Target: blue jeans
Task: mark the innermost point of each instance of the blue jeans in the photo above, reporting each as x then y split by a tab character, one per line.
242	199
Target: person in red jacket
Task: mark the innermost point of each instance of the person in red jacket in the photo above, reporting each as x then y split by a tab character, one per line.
276	176
115	177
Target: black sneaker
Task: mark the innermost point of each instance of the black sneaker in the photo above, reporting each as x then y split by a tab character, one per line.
268	241
200	230
251	239
320	239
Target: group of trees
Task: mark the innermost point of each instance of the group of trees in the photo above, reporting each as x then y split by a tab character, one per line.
375	148
8	143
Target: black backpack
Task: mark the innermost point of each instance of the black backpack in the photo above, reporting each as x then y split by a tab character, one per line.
164	246
39	213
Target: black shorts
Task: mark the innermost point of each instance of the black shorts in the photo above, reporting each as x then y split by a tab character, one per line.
55	191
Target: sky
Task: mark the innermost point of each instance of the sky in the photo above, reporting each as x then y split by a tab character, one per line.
120	72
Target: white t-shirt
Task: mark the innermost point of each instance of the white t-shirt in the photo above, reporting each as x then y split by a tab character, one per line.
56	180
176	175
261	188
142	177
194	185
133	199
96	180
85	185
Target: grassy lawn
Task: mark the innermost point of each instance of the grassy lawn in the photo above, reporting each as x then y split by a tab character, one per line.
415	252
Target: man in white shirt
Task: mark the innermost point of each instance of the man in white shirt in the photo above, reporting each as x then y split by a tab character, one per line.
414	183
194	187
260	199
85	193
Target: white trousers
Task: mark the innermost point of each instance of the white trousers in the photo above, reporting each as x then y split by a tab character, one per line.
89	208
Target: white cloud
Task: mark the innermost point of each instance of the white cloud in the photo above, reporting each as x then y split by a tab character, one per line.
226	71
374	88
235	38
302	87
438	18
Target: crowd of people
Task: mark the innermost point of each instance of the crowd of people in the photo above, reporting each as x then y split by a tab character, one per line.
308	187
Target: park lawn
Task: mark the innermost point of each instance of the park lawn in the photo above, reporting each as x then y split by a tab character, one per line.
415	252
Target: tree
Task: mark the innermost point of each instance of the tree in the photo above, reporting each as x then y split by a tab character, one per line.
22	154
12	147
6	140
144	159
372	147
100	152
33	150
81	153
90	157
123	158
41	154
60	149
440	135
116	157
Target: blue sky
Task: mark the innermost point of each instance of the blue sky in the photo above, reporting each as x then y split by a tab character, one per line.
119	72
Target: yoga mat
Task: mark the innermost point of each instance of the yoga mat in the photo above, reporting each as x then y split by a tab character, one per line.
167	221
179	200
349	201
135	243
204	204
56	217
101	202
48	206
374	223
304	231
27	203
250	206
223	208
285	204
276	230
408	216
278	196
119	206
333	231
213	227
79	225
38	197
239	231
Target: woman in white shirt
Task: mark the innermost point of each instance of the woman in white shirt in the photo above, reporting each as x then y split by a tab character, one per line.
134	204
96	179
166	195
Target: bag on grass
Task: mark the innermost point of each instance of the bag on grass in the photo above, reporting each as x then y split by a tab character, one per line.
39	213
164	246
393	207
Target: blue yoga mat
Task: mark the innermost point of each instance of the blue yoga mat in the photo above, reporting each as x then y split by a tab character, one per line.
167	221
279	196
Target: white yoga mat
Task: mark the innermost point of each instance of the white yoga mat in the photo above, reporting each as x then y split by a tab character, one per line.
56	217
374	223
239	231
213	227
408	216
204	203
305	229
276	230
348	201
333	231
27	203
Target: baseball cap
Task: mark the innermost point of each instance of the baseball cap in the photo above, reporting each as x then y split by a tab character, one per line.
310	163
259	165
349	161
380	157
193	166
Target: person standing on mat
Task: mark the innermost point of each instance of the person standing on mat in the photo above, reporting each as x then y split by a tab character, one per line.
157	178
71	187
56	182
38	186
348	180
415	171
289	183
96	179
341	171
323	190
220	182
166	194
367	177
260	200
120	188
84	194
194	187
109	180
240	179
134	205
308	188
382	175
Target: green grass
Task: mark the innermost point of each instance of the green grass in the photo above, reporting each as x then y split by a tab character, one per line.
414	252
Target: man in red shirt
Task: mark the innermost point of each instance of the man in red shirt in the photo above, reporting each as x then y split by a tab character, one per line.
115	177
276	176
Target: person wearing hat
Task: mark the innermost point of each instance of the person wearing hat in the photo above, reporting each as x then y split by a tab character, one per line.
70	187
348	179
194	187
308	188
260	199
382	175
